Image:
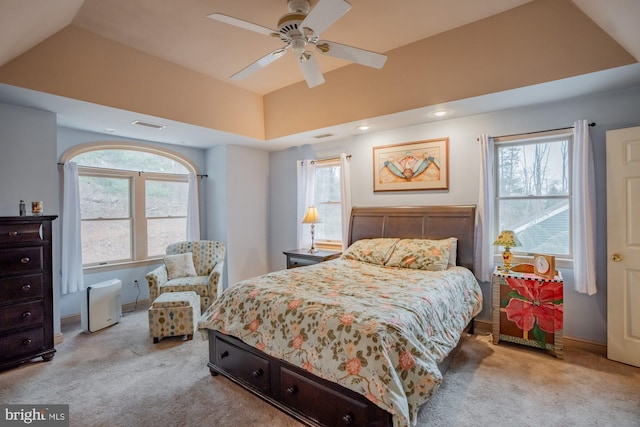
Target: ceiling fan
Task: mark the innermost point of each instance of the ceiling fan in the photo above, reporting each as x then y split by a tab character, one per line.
301	28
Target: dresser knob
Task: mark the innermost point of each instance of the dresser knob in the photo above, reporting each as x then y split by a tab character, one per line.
13	233
25	260
26	287
258	372
292	390
26	342
348	419
224	354
26	315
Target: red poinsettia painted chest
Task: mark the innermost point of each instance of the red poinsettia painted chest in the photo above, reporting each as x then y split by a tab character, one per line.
528	309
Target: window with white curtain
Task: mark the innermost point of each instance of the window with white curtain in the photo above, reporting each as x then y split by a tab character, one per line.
533	192
133	203
328	201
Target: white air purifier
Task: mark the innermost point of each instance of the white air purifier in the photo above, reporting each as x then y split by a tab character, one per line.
101	306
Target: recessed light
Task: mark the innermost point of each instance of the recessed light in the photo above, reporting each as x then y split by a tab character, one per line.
439	113
363	127
109	130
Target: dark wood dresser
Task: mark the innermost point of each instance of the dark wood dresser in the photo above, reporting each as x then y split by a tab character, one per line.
26	289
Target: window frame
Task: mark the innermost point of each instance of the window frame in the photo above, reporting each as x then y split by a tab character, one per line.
137	197
563	260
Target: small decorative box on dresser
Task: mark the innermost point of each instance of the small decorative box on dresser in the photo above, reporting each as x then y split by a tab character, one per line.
528	309
302	257
26	290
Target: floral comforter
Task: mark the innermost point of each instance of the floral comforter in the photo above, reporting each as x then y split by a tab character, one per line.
379	331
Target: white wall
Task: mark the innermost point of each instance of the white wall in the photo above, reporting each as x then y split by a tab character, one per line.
239	202
28	171
585	317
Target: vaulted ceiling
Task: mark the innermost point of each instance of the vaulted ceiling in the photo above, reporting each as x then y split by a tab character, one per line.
167	61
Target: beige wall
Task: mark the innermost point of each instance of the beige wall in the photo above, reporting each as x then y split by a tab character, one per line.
78	64
541	41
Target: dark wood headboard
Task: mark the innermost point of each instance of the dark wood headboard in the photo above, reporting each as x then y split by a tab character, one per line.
426	222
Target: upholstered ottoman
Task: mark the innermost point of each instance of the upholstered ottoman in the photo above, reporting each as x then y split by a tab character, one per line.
174	313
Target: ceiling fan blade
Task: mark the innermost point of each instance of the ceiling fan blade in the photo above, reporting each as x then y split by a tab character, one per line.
310	69
244	24
325	14
259	64
350	53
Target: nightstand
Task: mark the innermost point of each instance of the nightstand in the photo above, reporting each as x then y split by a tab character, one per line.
528	310
302	257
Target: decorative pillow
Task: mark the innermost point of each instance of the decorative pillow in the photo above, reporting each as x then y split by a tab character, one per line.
422	254
453	252
180	265
374	251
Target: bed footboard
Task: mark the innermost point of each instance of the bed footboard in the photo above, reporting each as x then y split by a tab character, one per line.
308	398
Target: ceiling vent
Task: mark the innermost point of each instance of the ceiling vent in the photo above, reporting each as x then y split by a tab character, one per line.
147	124
324	135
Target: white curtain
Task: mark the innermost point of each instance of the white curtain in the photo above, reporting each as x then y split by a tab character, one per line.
583	210
306	179
483	264
345	195
193	209
72	278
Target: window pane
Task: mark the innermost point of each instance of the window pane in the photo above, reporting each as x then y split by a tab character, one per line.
327	184
166	198
132	160
331	226
106	240
542	225
327	200
539	169
162	232
104	197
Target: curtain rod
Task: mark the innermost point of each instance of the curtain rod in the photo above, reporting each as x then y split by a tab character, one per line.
592	124
330	159
139	172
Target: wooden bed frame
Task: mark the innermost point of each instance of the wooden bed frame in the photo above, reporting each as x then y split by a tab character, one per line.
313	400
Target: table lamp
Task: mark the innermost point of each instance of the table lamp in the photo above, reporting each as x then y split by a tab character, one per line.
312	217
508	239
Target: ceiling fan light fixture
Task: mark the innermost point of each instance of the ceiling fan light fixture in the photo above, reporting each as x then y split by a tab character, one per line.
298	45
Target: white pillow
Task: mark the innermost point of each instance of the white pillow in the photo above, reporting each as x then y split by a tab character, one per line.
180	265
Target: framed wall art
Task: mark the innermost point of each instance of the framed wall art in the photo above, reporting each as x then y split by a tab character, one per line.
414	166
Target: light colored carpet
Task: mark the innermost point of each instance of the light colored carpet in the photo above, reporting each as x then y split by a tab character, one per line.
118	377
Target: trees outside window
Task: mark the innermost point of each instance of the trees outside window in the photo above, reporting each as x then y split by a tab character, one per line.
533	193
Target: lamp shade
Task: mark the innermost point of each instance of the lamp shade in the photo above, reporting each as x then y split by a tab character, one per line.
312	216
508	239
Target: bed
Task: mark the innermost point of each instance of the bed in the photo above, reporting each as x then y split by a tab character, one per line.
361	340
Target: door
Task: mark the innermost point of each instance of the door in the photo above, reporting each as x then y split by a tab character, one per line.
623	245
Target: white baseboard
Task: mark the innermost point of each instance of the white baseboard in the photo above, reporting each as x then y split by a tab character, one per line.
599	348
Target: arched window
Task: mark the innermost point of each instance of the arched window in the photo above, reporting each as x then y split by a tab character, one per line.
133	202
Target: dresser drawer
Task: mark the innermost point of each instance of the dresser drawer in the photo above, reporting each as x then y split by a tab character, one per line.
18	233
250	368
21	260
21	315
21	343
321	403
16	289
